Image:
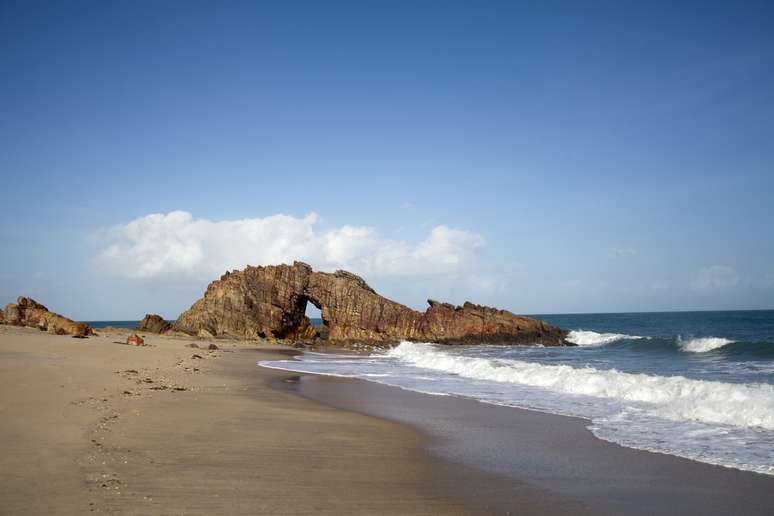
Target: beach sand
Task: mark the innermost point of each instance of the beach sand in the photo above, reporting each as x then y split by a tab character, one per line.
93	425
83	432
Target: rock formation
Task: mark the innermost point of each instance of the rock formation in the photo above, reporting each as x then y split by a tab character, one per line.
154	324
271	301
28	312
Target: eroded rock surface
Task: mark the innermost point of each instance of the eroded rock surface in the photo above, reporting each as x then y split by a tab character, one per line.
28	312
154	324
271	301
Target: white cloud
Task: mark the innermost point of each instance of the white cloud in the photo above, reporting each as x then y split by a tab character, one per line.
178	246
714	278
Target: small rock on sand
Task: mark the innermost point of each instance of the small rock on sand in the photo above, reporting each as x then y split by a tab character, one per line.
135	340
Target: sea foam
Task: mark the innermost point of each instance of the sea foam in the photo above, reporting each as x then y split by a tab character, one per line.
702	345
717	421
670	397
593	339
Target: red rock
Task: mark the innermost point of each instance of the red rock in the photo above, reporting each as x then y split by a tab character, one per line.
135	340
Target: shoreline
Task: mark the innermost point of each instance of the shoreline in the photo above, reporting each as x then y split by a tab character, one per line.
94	426
556	453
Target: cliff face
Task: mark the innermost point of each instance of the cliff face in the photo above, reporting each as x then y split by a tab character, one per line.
28	312
271	302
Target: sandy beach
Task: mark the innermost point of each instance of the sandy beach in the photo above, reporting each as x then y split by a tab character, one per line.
93	425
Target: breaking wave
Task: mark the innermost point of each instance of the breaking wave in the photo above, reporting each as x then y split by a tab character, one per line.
670	397
702	345
593	339
709	399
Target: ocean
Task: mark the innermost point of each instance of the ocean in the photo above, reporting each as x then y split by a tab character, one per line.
698	385
131	325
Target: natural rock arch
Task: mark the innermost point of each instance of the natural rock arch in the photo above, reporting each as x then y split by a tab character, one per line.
272	300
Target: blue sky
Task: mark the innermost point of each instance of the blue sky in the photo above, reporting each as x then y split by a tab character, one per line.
543	157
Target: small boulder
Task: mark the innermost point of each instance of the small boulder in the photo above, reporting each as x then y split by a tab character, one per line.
212	347
135	340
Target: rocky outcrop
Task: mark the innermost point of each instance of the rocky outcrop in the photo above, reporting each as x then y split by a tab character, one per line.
472	323
257	302
154	324
271	301
28	312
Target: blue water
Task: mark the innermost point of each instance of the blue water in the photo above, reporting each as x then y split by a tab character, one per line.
748	358
694	384
115	324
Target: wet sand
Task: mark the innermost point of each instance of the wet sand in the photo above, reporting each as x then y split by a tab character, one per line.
554	453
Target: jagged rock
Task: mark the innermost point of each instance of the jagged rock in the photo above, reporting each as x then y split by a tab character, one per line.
28	312
263	302
154	324
135	340
464	324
